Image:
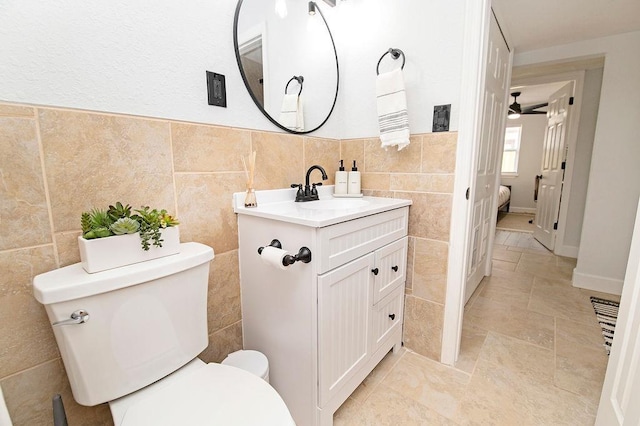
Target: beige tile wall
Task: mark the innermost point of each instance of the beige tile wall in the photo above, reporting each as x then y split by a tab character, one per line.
56	163
424	173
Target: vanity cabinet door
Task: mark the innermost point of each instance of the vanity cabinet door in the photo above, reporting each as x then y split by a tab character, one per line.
391	264
344	308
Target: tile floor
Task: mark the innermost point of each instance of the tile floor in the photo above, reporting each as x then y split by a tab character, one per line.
531	354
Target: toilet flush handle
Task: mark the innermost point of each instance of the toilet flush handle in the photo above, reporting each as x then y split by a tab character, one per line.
77	317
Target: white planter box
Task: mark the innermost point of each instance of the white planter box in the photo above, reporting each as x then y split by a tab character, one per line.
101	254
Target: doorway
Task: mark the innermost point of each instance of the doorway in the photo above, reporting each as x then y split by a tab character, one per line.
587	72
541	82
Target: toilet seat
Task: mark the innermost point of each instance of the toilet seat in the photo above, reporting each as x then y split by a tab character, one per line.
213	394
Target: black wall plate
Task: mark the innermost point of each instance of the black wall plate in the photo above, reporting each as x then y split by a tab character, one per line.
216	89
441	114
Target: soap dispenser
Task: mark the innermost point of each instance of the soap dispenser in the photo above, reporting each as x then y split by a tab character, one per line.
342	179
354	180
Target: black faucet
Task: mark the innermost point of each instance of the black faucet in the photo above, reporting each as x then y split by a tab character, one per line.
310	193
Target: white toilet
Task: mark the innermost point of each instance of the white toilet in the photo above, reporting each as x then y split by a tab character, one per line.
130	336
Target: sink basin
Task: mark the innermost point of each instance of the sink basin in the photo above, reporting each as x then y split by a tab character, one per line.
334	204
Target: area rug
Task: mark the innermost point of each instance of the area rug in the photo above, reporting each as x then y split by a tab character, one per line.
518	222
607	314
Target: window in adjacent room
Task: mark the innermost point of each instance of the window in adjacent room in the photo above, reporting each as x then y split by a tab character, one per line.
511	150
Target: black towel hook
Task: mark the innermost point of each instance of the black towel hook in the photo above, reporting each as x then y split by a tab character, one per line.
395	54
299	79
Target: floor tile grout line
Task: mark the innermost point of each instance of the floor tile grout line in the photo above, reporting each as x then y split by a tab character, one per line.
533	284
475	364
522	340
555	349
375	385
437	362
412	398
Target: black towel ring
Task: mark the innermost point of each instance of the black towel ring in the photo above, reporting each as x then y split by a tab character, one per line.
395	54
299	79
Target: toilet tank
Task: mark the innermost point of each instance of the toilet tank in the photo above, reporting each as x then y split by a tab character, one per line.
145	321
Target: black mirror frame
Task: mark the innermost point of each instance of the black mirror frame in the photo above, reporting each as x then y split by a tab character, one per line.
246	82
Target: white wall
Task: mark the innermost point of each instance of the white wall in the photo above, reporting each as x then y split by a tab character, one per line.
582	161
532	138
119	56
614	177
141	58
149	59
429	33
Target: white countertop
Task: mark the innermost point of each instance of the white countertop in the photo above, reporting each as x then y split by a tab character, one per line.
279	204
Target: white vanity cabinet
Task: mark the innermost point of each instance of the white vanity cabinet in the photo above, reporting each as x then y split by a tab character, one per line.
323	325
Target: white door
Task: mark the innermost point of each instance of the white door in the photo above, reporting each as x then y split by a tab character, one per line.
619	400
489	154
552	171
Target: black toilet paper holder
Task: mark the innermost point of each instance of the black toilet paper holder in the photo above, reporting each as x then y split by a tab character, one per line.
304	254
273	243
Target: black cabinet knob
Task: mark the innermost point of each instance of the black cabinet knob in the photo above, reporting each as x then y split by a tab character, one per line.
392	316
375	271
395	268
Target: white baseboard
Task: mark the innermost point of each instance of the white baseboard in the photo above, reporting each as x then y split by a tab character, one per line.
597	283
521	210
566	251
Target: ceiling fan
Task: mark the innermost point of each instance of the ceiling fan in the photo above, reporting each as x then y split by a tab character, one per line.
515	110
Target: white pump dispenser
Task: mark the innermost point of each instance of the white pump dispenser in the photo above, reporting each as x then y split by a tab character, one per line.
342	178
354	180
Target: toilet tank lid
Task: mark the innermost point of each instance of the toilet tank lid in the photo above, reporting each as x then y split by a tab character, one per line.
72	282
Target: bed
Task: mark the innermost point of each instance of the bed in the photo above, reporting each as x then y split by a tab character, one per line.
504	198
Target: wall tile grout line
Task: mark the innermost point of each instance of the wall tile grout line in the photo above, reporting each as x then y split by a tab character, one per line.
47	195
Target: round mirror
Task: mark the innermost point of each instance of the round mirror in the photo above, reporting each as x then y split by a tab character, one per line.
288	61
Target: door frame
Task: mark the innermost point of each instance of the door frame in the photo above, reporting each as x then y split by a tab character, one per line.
571	143
622	378
477	22
466	156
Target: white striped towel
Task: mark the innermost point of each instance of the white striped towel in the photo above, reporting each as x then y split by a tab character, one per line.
392	109
291	113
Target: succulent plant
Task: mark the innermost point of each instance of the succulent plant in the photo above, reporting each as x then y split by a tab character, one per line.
167	220
149	227
100	232
119	211
85	222
99	219
95	224
118	220
125	225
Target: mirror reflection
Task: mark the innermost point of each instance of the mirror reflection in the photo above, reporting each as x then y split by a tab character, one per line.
288	61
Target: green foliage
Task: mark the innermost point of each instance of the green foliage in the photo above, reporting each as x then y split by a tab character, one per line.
150	225
100	232
85	222
167	220
118	220
99	219
119	211
95	224
125	225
